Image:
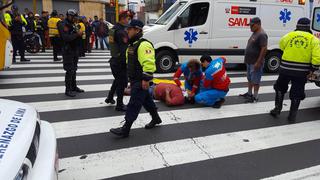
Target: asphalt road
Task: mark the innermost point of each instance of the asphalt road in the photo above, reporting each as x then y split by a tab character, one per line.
238	141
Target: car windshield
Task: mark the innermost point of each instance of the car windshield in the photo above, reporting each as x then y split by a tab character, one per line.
168	15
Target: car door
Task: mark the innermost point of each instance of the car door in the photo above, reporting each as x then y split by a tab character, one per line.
192	33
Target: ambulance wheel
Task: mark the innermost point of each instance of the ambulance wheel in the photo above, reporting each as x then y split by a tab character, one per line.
165	61
272	62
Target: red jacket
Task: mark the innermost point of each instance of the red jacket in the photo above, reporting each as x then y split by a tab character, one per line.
216	76
193	79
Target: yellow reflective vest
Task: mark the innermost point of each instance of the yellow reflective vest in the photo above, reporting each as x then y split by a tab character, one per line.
301	52
8	19
53	27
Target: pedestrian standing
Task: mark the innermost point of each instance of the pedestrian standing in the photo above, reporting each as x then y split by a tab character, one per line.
45	19
70	35
88	35
141	66
118	43
254	59
54	34
31	27
95	25
103	33
301	57
40	29
17	23
83	37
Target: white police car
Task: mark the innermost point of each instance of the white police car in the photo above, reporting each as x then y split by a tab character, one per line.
27	144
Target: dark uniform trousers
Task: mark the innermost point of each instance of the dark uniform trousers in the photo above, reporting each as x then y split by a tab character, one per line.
297	90
139	97
120	80
56	45
70	65
18	45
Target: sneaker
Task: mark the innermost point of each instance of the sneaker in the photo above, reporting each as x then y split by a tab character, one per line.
251	100
245	95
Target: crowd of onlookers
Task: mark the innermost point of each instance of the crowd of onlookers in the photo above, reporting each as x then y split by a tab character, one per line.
95	31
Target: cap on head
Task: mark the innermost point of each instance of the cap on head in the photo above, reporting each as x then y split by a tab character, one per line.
72	12
304	22
54	13
205	58
136	24
36	15
255	20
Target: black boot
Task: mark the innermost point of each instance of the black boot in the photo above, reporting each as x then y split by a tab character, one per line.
122	131
295	103
121	108
155	120
110	101
69	85
78	90
219	103
278	104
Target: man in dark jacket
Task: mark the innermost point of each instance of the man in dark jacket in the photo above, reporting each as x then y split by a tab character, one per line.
16	25
95	25
70	35
118	43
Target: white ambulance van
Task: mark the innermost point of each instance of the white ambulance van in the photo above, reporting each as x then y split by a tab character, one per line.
191	28
27	144
315	26
315	16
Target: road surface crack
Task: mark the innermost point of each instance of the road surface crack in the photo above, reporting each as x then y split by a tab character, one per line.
166	164
174	117
201	148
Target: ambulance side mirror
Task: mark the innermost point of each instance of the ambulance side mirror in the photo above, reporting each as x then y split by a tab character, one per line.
316	19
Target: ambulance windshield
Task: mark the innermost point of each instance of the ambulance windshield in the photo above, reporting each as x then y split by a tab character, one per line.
168	15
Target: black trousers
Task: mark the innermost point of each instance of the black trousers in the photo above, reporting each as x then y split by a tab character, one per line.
297	90
96	40
56	45
120	81
139	97
18	45
70	65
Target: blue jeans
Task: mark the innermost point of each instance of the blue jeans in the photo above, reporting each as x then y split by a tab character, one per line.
254	76
104	40
209	97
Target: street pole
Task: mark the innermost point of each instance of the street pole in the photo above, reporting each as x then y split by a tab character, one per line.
117	10
34	6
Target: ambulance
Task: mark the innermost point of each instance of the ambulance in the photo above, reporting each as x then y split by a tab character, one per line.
315	16
191	28
28	148
315	26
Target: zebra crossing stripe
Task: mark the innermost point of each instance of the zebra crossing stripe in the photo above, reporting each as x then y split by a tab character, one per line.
100	125
166	154
311	173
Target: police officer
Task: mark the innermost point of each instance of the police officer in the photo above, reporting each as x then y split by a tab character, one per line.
141	66
118	40
71	36
301	57
54	34
16	24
